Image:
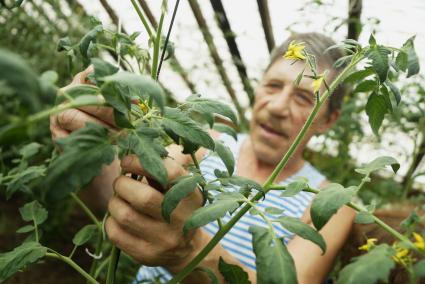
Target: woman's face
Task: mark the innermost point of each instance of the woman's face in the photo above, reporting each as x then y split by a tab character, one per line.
280	110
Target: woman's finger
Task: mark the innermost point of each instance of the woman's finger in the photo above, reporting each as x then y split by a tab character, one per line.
74	119
105	114
56	131
132	220
131	164
140	196
137	248
81	78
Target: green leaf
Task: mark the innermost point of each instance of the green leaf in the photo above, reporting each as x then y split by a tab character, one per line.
273	210
84	235
209	213
303	230
179	123
207	108
342	61
401	61
299	77
293	188
80	90
372	40
13	261
49	79
117	96
328	201
102	69
22	179
64	44
20	79
359	76
364	218
233	274
383	90
223	128
89	38
419	269
226	156
379	164
395	91
379	56
33	212
242	182
29	150
88	149
149	151
376	108
412	58
359	271
273	261
25	229
177	192
121	87
365	86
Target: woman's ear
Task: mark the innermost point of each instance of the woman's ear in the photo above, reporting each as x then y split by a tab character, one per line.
328	122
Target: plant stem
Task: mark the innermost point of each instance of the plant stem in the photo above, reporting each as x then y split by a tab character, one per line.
386	227
101	266
37	238
155	57
113	263
195	161
221	233
86	210
142	18
73	251
97	252
71	263
95	101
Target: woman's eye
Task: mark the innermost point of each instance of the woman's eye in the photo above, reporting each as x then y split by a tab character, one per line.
305	98
273	86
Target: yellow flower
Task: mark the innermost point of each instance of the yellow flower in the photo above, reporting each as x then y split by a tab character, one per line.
144	107
317	83
402	255
419	241
295	51
369	244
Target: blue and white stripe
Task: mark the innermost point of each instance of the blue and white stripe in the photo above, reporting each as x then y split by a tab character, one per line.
238	241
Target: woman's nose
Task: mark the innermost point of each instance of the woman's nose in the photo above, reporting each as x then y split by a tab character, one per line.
279	103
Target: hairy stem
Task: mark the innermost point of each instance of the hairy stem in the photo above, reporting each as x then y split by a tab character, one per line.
155	57
142	18
113	264
86	210
98	250
75	266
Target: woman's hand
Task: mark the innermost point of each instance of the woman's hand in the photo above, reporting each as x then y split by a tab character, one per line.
62	124
136	225
68	121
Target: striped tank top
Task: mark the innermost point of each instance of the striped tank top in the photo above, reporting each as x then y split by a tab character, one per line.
238	241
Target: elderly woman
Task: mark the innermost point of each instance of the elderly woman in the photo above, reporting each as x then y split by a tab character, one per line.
136	226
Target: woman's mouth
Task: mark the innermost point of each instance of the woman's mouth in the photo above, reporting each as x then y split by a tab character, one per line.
269	132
